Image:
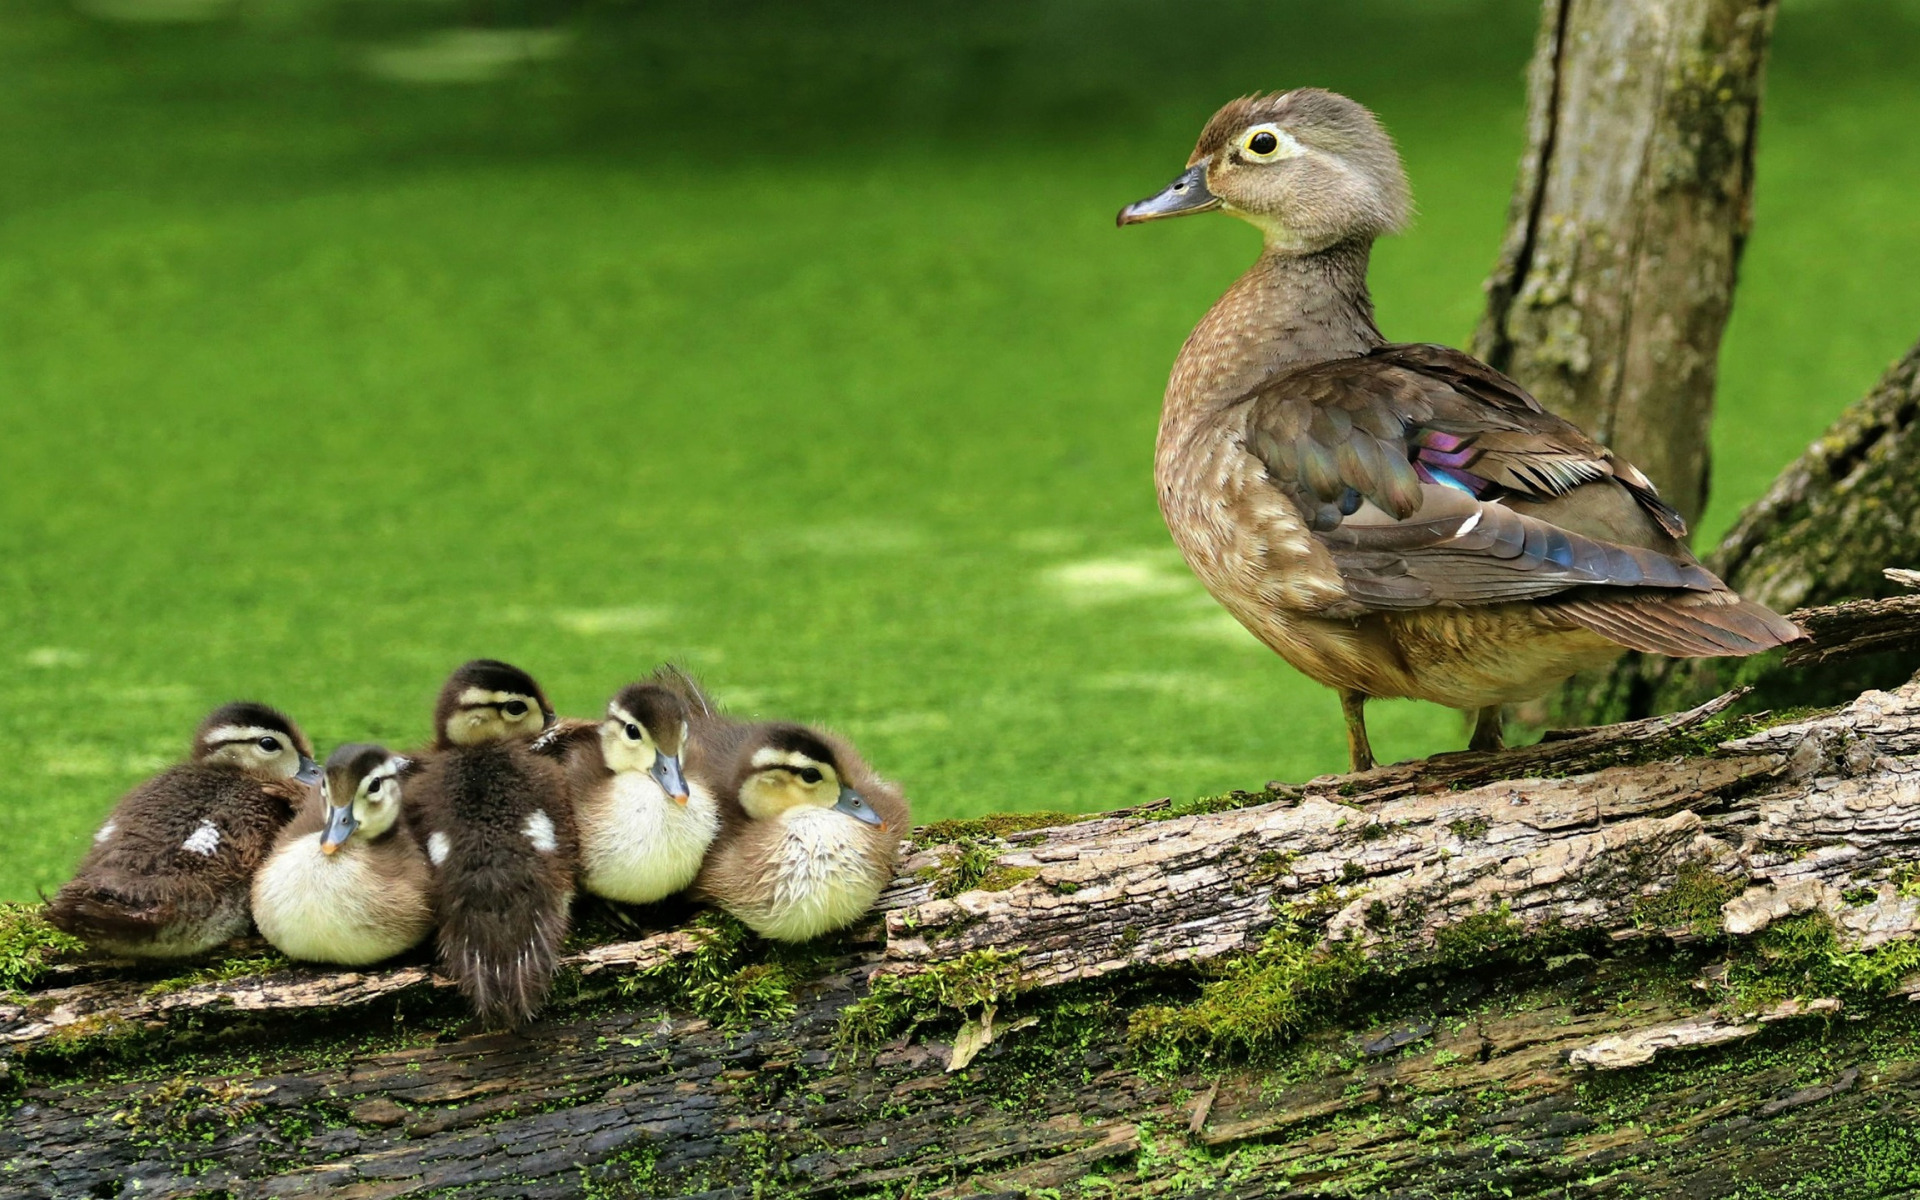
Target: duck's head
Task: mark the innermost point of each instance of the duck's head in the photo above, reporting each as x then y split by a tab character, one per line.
1310	168
489	701
361	785
787	767
646	732
261	741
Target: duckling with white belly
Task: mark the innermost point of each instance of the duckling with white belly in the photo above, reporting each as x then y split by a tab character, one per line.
345	883
810	837
167	874
644	829
493	818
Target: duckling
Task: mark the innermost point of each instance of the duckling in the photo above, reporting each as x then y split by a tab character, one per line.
644	829
810	835
167	874
345	883
1397	519
493	818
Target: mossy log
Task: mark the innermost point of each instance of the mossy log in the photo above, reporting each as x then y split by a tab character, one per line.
1663	958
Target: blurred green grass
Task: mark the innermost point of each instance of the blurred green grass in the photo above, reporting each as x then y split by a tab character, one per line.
798	348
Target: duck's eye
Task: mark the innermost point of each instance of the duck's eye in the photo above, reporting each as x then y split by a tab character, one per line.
374	785
808	775
1263	142
270	745
514	708
633	732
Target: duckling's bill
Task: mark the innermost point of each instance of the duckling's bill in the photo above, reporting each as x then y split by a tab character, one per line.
855	805
340	826
667	773
309	772
1187	194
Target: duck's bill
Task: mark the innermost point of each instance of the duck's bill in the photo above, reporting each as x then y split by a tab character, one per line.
309	772
1187	194
855	805
340	827
668	774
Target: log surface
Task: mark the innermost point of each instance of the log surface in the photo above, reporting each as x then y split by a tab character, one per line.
366	1084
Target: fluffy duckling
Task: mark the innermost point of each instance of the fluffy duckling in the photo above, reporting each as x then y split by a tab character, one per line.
345	883
810	836
1396	519
644	829
493	818
167	875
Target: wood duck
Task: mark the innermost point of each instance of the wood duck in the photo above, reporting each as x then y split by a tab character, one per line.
1396	519
168	871
345	883
493	819
644	828
809	834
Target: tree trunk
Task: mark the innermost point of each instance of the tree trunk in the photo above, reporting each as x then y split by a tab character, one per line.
1633	202
1850	503
1606	965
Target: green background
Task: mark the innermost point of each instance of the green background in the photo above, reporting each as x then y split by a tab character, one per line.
797	346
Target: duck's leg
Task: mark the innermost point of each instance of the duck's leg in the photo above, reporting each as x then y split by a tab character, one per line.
1353	705
1487	733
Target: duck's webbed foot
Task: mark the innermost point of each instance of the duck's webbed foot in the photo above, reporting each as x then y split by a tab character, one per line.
1487	733
1353	705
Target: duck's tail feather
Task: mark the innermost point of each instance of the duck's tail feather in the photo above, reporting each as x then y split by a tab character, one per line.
97	915
501	947
1683	625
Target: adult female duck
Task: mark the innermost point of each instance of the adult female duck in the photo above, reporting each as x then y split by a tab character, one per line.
1394	519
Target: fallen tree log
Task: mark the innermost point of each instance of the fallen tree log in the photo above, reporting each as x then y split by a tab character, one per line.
1668	956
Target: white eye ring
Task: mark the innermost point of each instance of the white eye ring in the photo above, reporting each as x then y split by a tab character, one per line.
1284	145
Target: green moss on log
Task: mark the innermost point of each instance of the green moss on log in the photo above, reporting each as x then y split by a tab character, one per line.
28	945
896	1002
1251	1005
1692	903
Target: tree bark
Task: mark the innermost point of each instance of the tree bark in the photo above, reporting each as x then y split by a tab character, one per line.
1514	945
1632	205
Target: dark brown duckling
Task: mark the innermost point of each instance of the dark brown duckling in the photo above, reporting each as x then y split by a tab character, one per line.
345	882
168	872
1394	519
644	826
493	818
810	835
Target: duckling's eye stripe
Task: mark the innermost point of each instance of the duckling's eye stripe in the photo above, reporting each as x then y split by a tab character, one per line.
790	759
233	735
388	769
623	716
475	697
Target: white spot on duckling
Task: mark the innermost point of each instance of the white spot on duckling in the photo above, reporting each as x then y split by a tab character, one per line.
1467	526
106	831
539	831
204	840
438	847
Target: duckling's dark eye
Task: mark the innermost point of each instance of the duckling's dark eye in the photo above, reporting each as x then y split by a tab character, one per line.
514	708
1263	143
808	775
633	733
270	745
